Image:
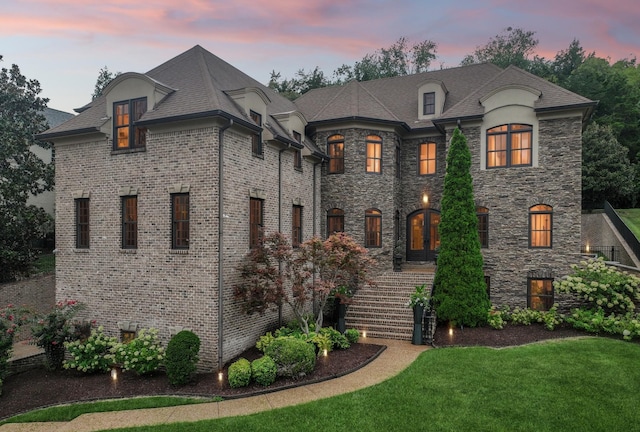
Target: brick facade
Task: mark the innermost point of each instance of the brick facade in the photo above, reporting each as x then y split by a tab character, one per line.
154	285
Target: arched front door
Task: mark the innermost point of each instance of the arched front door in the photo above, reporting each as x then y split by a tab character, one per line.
422	235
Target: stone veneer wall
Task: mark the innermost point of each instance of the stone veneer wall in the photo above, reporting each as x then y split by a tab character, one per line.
37	293
509	193
355	190
414	184
154	285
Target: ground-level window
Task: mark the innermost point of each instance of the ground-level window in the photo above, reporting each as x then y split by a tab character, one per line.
82	223
540	226
483	226
256	215
373	228
335	221
180	221
335	150
296	226
374	154
540	294
427	158
129	222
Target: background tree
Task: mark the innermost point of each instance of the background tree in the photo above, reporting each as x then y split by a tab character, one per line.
514	46
104	78
397	60
607	173
21	172
460	290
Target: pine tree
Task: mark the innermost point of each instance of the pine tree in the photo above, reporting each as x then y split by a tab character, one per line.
460	294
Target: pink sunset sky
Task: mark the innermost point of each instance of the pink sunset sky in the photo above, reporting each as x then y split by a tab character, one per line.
64	43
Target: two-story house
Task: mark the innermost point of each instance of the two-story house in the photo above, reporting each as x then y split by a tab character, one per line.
166	181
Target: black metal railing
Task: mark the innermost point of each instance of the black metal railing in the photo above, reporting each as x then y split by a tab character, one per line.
623	229
609	253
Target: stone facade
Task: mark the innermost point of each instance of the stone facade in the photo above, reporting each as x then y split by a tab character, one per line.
507	193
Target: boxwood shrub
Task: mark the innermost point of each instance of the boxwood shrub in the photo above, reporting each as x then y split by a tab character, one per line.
294	358
182	357
240	373
264	371
352	335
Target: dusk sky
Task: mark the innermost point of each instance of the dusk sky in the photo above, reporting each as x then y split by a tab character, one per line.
64	43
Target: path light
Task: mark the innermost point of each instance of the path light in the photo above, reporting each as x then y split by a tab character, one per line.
364	334
450	331
114	374
325	352
220	376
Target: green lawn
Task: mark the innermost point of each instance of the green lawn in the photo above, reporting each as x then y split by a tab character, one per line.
631	217
590	384
69	412
46	263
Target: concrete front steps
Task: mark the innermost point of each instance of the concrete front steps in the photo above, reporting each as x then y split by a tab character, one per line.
381	310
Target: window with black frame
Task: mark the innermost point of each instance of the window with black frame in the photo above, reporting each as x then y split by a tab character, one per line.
127	134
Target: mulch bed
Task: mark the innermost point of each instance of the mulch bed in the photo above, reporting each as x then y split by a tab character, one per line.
38	387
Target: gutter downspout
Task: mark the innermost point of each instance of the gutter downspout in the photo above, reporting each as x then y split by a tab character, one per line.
280	215
315	165
221	238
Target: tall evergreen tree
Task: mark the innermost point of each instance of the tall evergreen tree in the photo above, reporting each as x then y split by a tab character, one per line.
460	294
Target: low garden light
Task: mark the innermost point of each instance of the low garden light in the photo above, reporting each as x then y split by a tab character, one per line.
364	334
220	376
450	331
114	374
325	352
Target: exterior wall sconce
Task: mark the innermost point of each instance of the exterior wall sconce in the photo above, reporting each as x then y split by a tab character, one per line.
425	200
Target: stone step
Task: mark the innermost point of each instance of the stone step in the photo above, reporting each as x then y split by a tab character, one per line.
381	310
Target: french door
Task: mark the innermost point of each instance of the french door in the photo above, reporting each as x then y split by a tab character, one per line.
422	235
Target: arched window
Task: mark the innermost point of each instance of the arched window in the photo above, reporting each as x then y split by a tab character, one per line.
335	150
509	145
374	154
483	226
335	221
540	226
373	228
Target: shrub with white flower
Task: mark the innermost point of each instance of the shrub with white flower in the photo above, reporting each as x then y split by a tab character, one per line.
142	355
93	354
603	286
611	297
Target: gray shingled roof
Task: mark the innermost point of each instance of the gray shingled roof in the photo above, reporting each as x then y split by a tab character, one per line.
56	117
552	96
200	80
396	99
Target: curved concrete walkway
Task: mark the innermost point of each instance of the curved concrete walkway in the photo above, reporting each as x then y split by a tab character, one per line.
397	356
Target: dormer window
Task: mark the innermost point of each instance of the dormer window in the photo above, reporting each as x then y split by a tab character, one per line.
126	134
256	139
297	154
428	103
